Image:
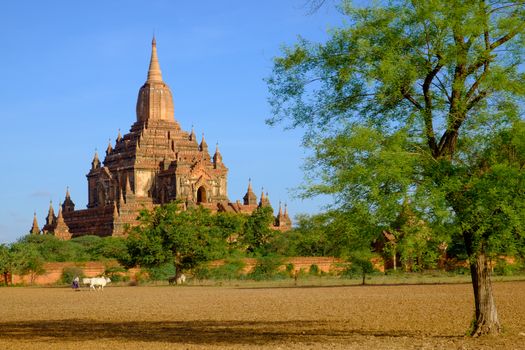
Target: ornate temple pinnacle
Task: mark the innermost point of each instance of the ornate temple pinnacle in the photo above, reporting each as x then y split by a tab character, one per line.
155	101
154	72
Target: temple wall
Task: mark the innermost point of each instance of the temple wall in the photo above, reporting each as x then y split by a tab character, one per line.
97	221
143	182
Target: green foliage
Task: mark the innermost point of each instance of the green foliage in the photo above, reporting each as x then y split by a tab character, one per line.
360	265
506	268
79	249
96	248
231	226
311	237
290	268
53	249
27	260
231	269
267	267
70	272
6	262
161	272
170	234
257	231
418	102
116	273
314	270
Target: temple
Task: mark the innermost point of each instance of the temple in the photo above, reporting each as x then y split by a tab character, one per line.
155	163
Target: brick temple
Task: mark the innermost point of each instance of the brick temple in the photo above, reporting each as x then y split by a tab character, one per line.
155	163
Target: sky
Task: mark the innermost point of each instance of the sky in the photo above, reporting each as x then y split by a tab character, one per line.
71	74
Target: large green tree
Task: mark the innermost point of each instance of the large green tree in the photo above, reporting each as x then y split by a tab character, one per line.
169	234
420	102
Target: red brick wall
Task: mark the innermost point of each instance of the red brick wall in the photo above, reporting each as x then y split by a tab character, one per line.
325	264
54	271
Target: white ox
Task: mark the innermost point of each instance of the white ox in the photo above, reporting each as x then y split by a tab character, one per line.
177	280
94	282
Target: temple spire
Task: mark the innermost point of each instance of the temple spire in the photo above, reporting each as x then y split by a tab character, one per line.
51	218
95	164
109	149
154	73
35	230
68	205
203	147
250	198
264	202
61	230
217	157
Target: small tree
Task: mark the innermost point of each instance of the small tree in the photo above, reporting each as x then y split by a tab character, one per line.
6	262
361	263
27	260
257	231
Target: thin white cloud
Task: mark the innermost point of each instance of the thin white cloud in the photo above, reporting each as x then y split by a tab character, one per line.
40	194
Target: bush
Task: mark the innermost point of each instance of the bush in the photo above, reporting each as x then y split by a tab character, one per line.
70	272
267	267
314	270
202	272
232	269
506	268
116	273
162	272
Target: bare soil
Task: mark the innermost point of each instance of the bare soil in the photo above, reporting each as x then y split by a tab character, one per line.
192	317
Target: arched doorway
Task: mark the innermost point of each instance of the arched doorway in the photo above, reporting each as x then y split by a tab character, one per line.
201	195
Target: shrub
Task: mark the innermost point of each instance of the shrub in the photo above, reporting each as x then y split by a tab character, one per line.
202	272
70	272
506	268
162	272
267	267
116	273
231	269
314	270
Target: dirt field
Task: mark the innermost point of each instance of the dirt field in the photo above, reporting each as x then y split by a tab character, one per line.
370	317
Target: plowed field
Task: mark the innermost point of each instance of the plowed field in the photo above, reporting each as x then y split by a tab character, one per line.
356	317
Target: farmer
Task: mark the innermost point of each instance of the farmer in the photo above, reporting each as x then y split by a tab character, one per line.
75	285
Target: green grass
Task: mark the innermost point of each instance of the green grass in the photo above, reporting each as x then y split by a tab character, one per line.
329	281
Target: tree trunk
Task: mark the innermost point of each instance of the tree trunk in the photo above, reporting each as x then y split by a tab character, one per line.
394	259
486	319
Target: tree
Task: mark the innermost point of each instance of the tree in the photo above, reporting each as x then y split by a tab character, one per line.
6	262
171	234
418	100
231	226
27	260
51	248
257	231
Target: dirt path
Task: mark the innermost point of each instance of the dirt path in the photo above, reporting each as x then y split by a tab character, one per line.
370	317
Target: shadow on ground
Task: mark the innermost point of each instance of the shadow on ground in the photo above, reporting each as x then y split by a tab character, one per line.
188	332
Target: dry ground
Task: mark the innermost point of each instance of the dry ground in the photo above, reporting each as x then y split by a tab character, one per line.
162	317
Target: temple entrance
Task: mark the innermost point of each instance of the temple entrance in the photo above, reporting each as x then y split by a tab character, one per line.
201	195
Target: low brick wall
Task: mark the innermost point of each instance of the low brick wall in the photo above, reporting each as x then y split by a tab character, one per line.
324	264
54	270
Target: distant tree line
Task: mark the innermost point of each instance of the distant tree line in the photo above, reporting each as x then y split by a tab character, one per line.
170	241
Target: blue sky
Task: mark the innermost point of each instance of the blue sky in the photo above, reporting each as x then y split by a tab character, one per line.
72	71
